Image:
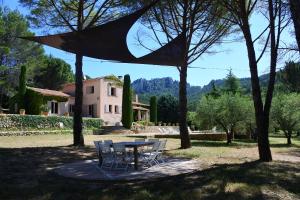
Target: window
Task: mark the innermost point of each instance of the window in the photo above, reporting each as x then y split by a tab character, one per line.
54	107
90	89
108	108
71	108
91	110
117	110
113	91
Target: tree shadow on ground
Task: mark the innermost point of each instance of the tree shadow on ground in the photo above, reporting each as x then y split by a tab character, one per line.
26	173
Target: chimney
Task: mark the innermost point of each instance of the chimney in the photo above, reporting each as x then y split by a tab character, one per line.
136	98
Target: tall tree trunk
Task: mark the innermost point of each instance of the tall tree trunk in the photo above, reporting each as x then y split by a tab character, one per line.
295	11
229	136
77	119
184	133
261	122
289	136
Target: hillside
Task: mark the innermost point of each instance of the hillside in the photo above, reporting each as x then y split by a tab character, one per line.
160	86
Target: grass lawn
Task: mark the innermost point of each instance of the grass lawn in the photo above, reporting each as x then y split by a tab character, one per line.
228	172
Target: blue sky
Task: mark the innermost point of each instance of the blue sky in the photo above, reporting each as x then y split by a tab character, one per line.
215	66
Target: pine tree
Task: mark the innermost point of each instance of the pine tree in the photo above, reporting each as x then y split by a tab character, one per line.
127	113
232	84
153	109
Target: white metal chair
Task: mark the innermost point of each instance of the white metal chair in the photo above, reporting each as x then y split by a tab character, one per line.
161	148
106	158
110	142
121	159
150	156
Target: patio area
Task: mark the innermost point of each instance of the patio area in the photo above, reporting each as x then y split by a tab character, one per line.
89	170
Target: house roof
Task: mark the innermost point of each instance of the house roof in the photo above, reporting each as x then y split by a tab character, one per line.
139	104
47	92
139	108
88	80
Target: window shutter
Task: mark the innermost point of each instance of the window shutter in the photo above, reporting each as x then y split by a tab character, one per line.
108	89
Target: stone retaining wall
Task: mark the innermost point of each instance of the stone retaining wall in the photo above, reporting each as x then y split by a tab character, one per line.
39	132
156	129
209	136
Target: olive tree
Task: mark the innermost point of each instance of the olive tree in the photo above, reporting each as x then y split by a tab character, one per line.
285	113
239	14
226	111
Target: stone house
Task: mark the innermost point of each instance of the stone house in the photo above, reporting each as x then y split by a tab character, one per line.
102	98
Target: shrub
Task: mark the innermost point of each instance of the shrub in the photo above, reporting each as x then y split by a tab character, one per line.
22	88
36	122
33	101
144	123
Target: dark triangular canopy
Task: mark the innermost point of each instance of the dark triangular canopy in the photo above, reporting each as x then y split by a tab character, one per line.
108	42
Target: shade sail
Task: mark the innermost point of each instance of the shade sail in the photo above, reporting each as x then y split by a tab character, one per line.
108	42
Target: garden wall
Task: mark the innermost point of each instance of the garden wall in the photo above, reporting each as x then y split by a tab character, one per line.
200	136
43	123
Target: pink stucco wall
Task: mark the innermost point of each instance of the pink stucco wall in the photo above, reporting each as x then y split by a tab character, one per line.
100	99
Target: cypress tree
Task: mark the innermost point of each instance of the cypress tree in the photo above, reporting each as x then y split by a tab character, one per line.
22	88
127	113
153	109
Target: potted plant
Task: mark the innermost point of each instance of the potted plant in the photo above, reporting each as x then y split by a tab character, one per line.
22	111
66	114
45	110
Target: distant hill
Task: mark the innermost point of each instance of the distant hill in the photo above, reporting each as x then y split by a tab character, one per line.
160	86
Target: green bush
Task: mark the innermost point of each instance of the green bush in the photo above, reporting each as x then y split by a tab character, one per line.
144	123
22	88
37	122
34	101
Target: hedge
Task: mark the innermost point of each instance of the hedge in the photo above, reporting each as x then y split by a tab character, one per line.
38	122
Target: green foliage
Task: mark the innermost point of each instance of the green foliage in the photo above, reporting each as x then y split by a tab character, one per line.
226	112
36	122
33	101
144	123
285	112
22	88
215	92
127	111
116	80
153	109
232	84
167	109
15	51
53	74
290	77
44	108
192	119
